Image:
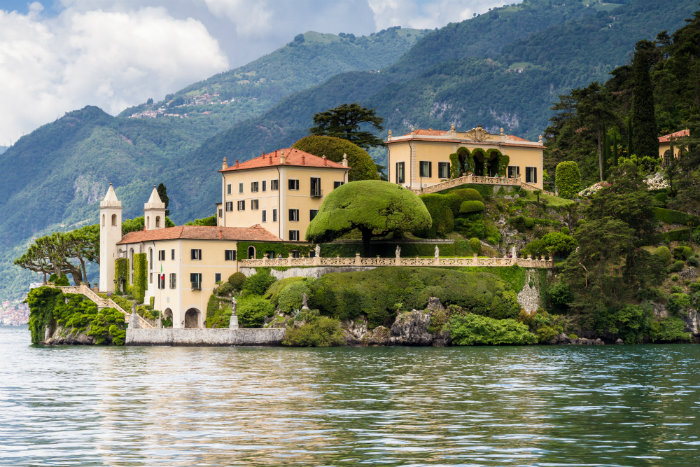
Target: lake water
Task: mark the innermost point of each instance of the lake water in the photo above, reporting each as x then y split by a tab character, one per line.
503	406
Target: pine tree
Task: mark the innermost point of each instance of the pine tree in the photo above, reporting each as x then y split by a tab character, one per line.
644	132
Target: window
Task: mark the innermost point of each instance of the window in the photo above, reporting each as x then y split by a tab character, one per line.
254	187
513	171
426	169
443	170
294	235
161	281
221	212
228	189
150	278
217	277
315	187
114	220
157	222
295	254
195	254
337	184
530	174
254	204
312	214
274	215
241	205
264	215
230	255
400	172
196	281
274	185
173	281
294	215
161	255
229	206
240	187
293	184
172	254
264	185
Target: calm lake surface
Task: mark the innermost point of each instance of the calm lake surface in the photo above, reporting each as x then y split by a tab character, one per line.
550	406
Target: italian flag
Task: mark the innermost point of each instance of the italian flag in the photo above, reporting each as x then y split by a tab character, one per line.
162	275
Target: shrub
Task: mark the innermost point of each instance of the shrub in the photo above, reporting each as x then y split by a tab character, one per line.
291	297
664	254
41	301
682	252
258	283
471	329
678	302
468	207
631	323
693	261
60	281
521	223
454	201
670	216
475	245
320	331
467	194
470	227
252	311
543	325
441	214
551	244
362	167
559	296
677	266
237	279
671	329
568	179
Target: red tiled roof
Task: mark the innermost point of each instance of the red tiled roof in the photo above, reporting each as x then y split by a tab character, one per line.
518	138
678	134
420	132
198	232
293	157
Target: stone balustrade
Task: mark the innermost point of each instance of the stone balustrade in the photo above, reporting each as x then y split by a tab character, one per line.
85	291
479	180
477	261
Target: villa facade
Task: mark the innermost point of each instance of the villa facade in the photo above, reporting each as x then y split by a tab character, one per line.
669	144
421	158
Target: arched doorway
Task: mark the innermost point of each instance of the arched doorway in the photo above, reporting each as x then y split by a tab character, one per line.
251	252
168	318
192	318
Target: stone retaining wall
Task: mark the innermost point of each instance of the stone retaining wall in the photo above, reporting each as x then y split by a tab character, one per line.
204	337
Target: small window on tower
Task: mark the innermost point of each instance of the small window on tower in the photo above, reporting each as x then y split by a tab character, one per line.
114	220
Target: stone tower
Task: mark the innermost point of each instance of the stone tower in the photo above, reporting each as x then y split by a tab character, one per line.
110	235
154	212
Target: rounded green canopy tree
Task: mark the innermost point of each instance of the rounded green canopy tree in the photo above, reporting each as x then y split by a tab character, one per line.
362	167
375	208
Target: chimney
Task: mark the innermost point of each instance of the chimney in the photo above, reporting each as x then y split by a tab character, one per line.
283	158
236	163
452	128
540	139
502	131
389	135
325	161
303	159
345	160
224	165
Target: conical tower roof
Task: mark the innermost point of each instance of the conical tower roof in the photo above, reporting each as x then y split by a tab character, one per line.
154	202
110	200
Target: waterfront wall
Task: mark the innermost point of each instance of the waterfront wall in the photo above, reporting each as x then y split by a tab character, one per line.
204	337
314	272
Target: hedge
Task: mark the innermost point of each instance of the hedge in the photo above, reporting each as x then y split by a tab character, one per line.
441	214
568	179
467	194
277	248
140	277
471	329
468	207
677	235
121	271
671	216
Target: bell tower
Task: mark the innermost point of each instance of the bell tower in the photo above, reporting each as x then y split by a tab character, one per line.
154	212
110	235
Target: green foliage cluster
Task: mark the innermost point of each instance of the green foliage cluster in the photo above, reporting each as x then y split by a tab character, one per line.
291	296
121	274
475	245
346	121
236	280
469	207
204	221
273	248
543	325
138	288
49	307
374	293
568	179
258	283
315	331
672	216
252	311
670	329
478	161
218	313
362	167
472	329
682	252
440	213
551	244
663	253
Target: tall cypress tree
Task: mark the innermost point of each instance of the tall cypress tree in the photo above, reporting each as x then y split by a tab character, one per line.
644	132
163	193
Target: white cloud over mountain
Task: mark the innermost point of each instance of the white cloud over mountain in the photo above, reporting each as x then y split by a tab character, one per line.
117	53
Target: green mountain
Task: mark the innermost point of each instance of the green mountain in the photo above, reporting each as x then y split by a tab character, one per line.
504	68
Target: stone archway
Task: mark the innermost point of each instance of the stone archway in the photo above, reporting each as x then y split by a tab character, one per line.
168	318
251	252
192	317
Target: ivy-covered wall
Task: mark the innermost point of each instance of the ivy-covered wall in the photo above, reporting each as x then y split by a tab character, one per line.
121	274
138	288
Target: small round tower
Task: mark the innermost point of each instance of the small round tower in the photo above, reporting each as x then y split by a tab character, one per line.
154	212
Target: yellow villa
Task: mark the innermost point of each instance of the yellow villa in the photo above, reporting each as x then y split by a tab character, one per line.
282	191
669	143
421	158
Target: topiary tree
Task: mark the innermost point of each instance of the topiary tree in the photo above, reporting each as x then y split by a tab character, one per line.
568	179
375	208
468	194
441	214
475	245
468	207
236	280
362	167
258	283
291	296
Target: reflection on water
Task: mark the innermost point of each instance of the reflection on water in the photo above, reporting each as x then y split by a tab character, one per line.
614	405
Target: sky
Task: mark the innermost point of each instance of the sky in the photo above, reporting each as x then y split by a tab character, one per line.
61	55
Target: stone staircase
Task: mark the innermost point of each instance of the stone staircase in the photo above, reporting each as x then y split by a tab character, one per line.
101	303
478	180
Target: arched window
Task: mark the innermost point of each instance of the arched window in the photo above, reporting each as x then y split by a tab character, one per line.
150	259
114	220
148	222
157	222
251	252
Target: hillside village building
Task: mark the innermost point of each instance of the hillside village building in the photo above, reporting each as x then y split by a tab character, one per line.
422	157
668	144
271	198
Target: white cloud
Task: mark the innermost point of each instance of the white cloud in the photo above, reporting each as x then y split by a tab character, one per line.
250	19
427	14
111	59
